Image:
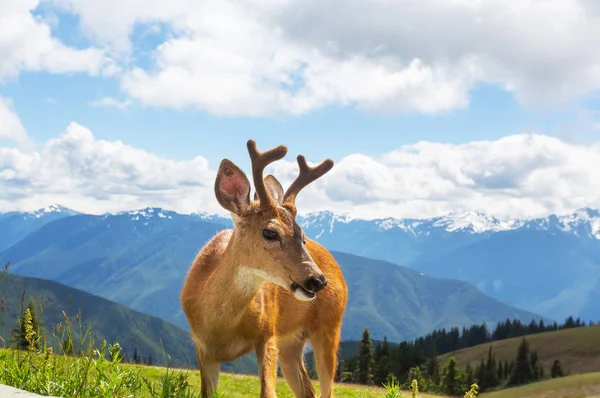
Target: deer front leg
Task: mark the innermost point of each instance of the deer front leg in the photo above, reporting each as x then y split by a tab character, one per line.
266	355
209	376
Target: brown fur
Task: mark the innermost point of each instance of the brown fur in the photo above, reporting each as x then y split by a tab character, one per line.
238	295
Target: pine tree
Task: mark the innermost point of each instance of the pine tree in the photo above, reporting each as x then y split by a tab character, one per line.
500	371
469	377
451	380
481	379
415	374
136	359
556	369
522	371
339	370
365	359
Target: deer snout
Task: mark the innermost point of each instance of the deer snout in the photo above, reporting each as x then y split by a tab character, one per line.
315	283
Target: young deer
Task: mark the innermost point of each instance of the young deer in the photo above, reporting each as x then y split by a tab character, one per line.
264	285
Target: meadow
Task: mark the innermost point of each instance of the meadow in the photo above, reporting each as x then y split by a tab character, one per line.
84	369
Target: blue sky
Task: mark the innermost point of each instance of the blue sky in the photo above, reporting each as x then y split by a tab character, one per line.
182	81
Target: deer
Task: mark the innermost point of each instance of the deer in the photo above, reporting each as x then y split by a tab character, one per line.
263	285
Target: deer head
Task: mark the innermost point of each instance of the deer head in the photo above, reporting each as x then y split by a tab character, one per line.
270	242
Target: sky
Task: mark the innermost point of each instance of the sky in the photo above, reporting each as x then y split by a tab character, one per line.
455	106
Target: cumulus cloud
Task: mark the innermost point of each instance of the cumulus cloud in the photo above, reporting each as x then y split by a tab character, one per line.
11	127
94	175
26	43
256	57
516	176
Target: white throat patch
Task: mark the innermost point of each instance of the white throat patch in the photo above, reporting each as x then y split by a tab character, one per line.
250	279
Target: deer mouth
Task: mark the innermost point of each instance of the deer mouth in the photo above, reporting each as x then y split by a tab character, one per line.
302	293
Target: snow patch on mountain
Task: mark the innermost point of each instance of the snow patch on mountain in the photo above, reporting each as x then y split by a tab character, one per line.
475	222
148	213
582	222
49	210
324	219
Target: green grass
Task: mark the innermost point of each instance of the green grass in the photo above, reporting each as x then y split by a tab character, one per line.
246	386
577	386
94	376
97	371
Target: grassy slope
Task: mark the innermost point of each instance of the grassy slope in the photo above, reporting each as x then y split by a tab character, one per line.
577	386
110	320
577	349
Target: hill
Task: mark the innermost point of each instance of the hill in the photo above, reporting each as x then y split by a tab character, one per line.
577	386
140	259
109	320
578	350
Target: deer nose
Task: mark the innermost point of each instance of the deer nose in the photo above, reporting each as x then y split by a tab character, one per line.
315	284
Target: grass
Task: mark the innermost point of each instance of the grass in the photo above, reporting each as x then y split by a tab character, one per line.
577	386
246	386
578	350
98	372
47	373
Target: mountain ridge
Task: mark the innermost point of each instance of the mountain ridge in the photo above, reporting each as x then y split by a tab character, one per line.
471	221
140	261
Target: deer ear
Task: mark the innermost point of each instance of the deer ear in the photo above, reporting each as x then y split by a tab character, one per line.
232	188
274	188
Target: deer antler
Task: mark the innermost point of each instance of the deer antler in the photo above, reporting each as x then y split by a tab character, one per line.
306	175
260	160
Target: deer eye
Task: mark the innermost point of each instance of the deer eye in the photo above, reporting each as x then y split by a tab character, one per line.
269	234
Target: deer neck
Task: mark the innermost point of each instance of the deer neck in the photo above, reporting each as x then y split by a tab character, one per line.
236	285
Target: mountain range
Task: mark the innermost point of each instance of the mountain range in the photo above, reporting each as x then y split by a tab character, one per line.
140	258
549	266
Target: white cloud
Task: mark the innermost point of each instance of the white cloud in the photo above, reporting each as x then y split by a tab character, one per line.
516	176
234	58
11	127
84	173
26	43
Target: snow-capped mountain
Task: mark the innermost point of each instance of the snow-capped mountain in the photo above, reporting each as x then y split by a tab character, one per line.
548	265
584	221
16	225
52	211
